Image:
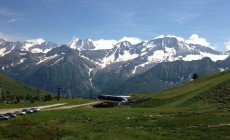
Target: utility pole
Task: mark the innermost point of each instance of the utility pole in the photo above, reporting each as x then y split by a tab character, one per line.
91	94
59	88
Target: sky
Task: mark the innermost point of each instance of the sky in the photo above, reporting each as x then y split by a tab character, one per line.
59	21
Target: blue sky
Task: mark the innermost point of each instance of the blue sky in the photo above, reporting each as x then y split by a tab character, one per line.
59	20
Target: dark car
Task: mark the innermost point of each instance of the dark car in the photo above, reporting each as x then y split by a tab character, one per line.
4	117
11	114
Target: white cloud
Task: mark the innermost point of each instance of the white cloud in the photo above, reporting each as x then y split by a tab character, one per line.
37	41
11	20
227	45
195	39
132	40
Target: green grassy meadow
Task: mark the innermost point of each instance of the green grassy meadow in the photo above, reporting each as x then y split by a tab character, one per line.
199	109
118	123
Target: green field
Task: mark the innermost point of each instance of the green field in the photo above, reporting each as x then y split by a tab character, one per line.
16	88
199	109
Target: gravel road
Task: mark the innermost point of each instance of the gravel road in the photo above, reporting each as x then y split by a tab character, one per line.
73	106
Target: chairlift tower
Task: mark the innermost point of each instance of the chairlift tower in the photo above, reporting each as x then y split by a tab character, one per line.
59	89
91	94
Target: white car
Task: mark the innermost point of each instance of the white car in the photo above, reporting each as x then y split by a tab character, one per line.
27	110
35	109
19	112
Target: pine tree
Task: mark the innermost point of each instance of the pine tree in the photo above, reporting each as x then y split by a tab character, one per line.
195	76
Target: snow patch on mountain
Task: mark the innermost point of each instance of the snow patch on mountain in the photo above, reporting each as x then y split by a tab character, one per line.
88	59
107	60
223	69
2	51
158	56
27	45
150	45
21	61
37	50
23	54
170	51
57	61
214	57
37	41
104	44
192	57
47	58
143	53
89	73
126	56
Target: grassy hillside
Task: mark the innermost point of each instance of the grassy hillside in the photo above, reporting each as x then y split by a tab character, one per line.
210	90
17	88
15	92
196	110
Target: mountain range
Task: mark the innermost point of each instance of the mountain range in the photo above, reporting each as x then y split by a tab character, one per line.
108	66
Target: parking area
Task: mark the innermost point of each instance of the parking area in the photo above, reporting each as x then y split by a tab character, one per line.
6	114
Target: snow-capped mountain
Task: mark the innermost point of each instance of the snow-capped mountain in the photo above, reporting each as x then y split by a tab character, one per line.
104	44
6	47
89	44
147	54
80	45
99	65
34	46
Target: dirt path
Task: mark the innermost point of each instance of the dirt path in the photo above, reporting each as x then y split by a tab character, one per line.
73	106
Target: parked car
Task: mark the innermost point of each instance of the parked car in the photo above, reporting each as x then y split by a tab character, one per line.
27	110
35	109
19	112
11	114
4	117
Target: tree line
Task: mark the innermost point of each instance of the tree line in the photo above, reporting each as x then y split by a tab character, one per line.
8	97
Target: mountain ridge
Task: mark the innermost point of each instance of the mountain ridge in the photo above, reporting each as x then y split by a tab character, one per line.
98	69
